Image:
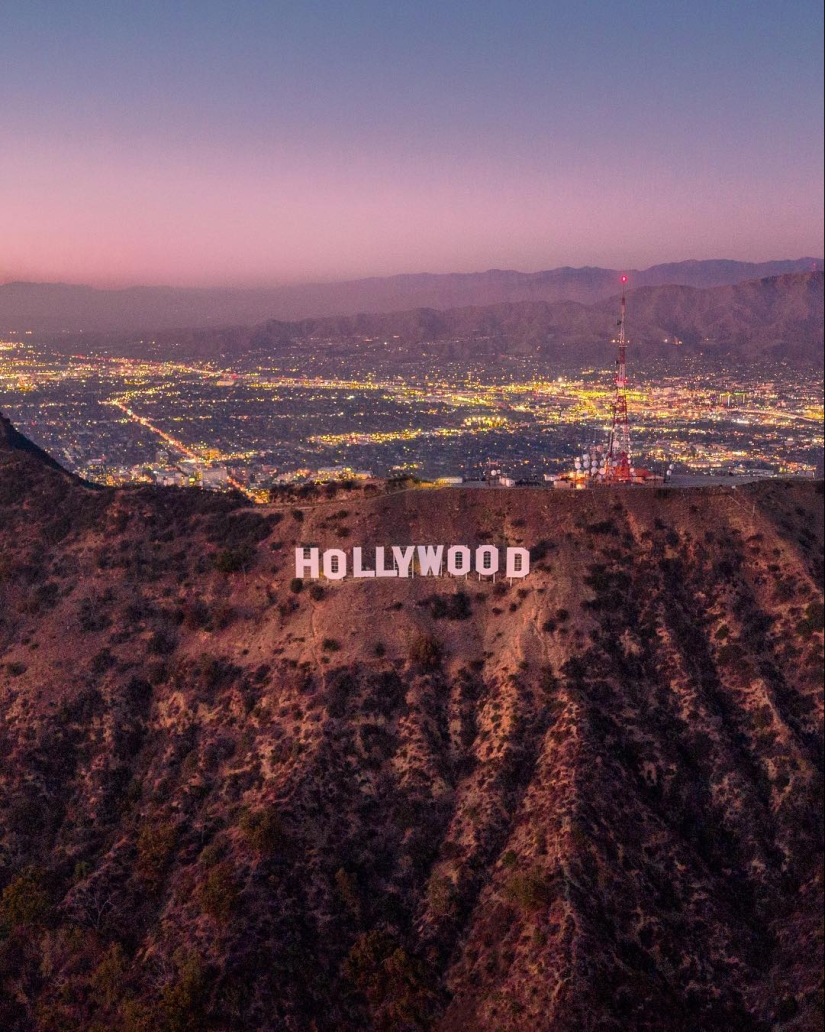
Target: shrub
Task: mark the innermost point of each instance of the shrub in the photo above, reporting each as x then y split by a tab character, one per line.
243	528
43	598
263	830
549	684
539	551
603	527
341	687
218	894
93	615
162	643
788	1008
196	615
107	978
392	982
785	590
183	1000
440	896
529	890
222	615
450	607
331	645
102	661
296	585
155	848
262	673
234	560
346	888
426	652
24	901
814	620
731	655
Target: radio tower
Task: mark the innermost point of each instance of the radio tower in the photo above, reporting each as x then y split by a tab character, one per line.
618	448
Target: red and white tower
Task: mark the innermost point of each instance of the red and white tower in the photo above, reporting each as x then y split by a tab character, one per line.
618	448
611	464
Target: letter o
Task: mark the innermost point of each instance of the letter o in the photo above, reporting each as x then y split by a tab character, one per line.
335	564
459	559
487	560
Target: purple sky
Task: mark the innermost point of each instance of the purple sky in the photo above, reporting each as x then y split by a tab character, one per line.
269	142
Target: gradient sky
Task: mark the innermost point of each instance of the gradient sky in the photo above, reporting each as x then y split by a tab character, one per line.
261	141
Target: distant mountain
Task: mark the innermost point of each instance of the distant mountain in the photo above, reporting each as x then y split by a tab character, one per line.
54	308
591	799
779	317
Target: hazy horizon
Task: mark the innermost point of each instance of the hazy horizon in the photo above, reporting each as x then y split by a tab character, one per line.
408	273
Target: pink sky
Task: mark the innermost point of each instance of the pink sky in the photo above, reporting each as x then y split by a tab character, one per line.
249	144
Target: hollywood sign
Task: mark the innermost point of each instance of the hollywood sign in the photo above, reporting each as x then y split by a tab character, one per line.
407	560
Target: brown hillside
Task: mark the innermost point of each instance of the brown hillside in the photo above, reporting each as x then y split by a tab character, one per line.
589	800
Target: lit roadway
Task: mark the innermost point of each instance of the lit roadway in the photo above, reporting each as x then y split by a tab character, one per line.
781	415
175	443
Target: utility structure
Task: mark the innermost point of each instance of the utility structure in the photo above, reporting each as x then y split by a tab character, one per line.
617	462
611	463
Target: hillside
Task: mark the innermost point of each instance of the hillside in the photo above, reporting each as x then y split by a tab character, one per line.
11	441
61	307
587	800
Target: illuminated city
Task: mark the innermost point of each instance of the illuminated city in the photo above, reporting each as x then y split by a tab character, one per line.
315	415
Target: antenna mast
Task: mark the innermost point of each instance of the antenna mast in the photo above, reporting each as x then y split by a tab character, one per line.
618	449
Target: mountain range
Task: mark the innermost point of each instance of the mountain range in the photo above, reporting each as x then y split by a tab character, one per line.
779	317
233	799
57	308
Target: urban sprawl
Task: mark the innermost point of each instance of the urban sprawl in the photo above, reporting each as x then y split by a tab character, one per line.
258	422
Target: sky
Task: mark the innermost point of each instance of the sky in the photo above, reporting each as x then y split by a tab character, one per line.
262	142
